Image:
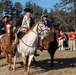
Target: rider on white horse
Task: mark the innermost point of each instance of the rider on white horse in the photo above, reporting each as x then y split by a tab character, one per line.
25	22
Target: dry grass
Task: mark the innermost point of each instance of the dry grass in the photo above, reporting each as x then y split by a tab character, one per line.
65	64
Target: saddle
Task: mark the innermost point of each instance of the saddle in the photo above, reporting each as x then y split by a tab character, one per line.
21	34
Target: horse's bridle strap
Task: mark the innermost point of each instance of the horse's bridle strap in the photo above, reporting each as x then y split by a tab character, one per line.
27	44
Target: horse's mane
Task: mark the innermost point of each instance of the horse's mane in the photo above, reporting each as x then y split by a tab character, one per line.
32	27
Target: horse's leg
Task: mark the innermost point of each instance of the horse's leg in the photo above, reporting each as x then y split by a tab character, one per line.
7	57
27	57
34	60
29	63
15	58
52	58
24	62
10	61
25	68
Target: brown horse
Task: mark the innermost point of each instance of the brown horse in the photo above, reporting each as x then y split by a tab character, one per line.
51	44
6	45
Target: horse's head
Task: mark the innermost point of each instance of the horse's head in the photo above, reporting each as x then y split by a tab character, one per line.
42	29
9	25
8	28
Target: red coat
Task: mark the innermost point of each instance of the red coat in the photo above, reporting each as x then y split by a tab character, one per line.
62	36
71	36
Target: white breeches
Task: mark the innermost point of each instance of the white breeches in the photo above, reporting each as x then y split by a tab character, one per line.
61	44
72	44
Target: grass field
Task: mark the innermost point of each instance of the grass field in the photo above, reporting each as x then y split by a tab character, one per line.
65	64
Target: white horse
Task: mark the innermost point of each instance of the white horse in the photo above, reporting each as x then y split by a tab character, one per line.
28	44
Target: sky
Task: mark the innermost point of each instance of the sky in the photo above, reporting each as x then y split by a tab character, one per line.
45	4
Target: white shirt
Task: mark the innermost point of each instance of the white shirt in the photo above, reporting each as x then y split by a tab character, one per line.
26	22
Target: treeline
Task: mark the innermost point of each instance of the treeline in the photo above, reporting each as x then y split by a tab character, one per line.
62	13
7	7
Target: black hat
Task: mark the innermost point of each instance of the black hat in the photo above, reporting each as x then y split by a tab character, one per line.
28	10
5	16
44	15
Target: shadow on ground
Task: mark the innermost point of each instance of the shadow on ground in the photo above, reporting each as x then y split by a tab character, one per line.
61	63
44	65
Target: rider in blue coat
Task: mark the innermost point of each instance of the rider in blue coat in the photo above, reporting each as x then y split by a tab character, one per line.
2	26
48	24
46	21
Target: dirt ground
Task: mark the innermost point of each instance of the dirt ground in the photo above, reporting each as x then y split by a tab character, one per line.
65	64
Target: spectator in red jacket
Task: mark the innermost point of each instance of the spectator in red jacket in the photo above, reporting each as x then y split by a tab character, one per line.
71	37
61	39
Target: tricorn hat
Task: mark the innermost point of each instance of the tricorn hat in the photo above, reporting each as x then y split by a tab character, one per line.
44	15
28	10
5	16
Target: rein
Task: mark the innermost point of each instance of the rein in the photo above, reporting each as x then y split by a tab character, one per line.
27	44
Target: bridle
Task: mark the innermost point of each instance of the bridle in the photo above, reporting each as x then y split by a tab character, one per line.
38	29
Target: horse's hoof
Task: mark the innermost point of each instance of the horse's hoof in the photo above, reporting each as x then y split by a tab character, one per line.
28	73
25	73
13	70
10	68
